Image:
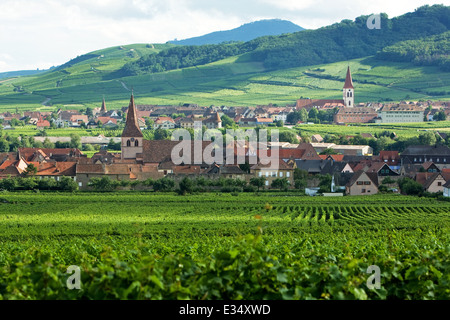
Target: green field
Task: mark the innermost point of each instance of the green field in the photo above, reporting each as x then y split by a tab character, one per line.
268	246
235	81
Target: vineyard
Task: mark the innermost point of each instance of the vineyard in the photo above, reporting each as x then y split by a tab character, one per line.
270	246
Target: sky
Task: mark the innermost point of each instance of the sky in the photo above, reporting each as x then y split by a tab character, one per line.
44	33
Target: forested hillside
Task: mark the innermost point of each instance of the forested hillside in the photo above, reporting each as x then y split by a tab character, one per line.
340	41
431	51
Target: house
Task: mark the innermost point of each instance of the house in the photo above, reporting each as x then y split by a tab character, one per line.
350	150
186	123
78	119
316	138
362	183
391	158
41	124
283	171
418	154
447	189
213	122
380	168
164	123
432	182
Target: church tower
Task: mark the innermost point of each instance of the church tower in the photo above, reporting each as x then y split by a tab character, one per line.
349	91
103	108
132	137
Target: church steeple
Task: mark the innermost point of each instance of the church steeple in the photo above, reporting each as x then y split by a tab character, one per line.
103	108
132	137
131	125
349	91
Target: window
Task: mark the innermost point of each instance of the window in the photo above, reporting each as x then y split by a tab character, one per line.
260	174
367	183
363	190
359	183
128	143
136	143
267	183
80	184
288	174
267	173
439	184
281	174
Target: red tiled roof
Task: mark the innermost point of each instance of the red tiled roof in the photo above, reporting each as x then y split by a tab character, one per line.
348	80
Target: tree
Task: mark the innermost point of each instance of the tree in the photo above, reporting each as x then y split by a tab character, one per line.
288	136
89	112
185	186
280	183
279	123
164	184
4	145
440	116
294	117
313	113
325	183
31	170
149	123
227	121
67	184
103	184
75	141
328	151
258	182
162	134
410	187
303	115
428	138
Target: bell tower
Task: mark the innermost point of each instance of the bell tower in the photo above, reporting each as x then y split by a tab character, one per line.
349	91
132	137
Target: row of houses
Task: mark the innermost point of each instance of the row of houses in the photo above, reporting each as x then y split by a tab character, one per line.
140	159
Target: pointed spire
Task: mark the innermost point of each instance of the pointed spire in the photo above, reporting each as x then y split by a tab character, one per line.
103	109
348	80
131	125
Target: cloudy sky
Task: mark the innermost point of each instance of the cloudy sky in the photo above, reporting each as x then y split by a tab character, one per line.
44	33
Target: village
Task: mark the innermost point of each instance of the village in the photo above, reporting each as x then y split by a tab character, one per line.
351	169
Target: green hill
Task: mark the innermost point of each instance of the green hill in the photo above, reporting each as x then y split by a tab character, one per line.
238	79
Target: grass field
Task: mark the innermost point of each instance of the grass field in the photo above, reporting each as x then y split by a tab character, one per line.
235	81
268	246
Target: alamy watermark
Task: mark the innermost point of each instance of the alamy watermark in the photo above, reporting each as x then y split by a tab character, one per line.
240	146
74	281
374	281
374	21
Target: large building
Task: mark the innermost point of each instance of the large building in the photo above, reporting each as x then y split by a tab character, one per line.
355	115
400	113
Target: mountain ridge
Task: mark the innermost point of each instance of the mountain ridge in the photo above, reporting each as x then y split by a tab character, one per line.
244	33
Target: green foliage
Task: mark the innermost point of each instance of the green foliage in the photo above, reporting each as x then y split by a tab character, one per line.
142	247
164	185
103	184
258	182
410	187
280	183
426	51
